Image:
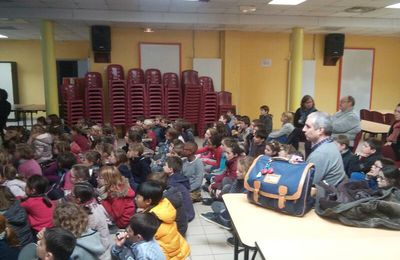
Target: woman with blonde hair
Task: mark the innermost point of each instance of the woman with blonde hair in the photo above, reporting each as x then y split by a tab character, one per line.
74	218
117	195
287	128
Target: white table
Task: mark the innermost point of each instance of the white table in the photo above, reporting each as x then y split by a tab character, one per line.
280	236
373	127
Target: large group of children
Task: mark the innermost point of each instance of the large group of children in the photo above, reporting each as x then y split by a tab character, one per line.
68	189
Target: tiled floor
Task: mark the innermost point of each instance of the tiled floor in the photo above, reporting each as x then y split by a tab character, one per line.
208	241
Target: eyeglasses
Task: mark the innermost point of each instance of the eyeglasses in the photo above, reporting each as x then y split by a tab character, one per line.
377	166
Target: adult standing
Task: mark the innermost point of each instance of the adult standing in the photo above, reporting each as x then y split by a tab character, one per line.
5	110
324	153
307	106
393	139
346	121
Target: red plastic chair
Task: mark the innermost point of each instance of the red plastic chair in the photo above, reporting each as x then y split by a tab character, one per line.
135	76
377	117
115	72
170	80
207	84
190	77
389	118
152	76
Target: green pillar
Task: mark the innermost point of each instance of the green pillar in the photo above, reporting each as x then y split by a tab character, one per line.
49	67
296	68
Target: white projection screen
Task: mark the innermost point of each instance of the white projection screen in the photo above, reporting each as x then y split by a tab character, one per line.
356	74
163	56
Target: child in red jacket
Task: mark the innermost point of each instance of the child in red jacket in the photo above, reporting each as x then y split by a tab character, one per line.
37	205
232	153
116	195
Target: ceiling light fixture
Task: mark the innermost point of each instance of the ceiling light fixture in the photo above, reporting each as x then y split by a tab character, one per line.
286	2
397	6
148	30
360	9
246	9
3	36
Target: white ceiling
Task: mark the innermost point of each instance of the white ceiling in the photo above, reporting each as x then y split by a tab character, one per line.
20	19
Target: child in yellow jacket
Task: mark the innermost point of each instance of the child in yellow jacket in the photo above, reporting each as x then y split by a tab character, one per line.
149	198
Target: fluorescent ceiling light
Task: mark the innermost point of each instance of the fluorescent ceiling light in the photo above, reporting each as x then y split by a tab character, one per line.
3	36
286	2
247	9
148	30
393	6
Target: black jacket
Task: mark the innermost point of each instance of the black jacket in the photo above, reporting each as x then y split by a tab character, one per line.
18	219
181	182
5	109
349	160
140	168
364	207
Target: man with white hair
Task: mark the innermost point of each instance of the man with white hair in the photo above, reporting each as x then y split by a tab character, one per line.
324	153
346	121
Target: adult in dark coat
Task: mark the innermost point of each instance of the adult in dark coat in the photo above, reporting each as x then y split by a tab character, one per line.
5	110
307	106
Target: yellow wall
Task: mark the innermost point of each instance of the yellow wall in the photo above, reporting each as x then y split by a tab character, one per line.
241	53
27	55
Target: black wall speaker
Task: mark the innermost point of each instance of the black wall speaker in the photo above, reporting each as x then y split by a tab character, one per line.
101	38
334	46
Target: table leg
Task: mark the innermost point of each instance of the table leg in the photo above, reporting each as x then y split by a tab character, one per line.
236	251
31	119
246	253
24	118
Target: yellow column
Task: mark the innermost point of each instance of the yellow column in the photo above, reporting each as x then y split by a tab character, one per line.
49	67
296	68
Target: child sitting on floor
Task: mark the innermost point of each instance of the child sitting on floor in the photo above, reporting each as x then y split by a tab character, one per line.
138	240
8	178
220	215
349	159
84	195
173	168
193	169
38	207
175	197
370	152
150	199
272	148
27	165
140	165
116	195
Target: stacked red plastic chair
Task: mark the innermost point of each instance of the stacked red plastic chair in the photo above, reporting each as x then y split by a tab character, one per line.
191	103
136	96
117	100
209	105
225	102
191	96
189	77
117	94
172	96
155	92
115	72
94	97
73	109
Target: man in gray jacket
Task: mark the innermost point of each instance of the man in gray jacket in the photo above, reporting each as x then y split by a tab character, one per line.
324	153
346	121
